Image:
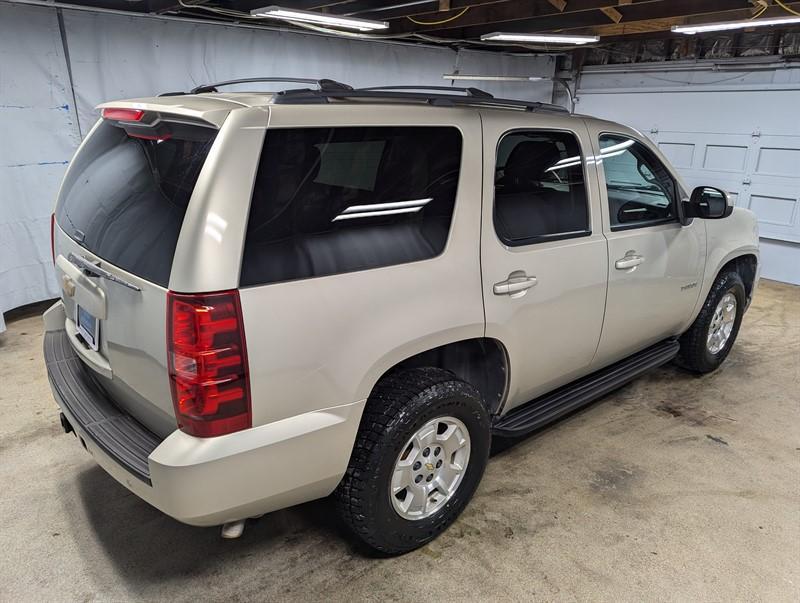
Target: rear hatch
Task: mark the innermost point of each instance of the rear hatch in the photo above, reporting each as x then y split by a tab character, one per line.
117	220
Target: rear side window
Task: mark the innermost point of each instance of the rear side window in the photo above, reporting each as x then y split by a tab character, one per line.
125	198
539	191
334	200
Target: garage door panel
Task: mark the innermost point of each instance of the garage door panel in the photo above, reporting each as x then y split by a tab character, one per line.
725	157
680	154
775	186
779	211
776	161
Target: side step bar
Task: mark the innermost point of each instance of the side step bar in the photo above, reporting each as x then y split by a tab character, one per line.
545	409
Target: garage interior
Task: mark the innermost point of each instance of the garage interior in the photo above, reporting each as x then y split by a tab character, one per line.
674	487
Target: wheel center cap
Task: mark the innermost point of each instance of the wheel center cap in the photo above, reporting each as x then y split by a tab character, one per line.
429	466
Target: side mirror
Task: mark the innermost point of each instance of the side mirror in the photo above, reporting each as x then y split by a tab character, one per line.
708	203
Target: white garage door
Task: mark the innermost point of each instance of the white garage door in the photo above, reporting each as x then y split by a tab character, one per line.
737	131
760	171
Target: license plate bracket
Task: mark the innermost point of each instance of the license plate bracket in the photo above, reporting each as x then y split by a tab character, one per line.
88	327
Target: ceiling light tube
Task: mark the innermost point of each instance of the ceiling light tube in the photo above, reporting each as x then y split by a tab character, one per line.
728	25
372	214
391	205
538	38
493	78
306	16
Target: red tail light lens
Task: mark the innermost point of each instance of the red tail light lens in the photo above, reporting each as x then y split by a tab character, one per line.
207	359
53	237
122	114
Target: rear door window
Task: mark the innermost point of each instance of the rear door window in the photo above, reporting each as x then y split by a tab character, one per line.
125	198
334	200
539	189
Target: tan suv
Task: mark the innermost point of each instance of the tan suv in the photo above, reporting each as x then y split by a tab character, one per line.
272	297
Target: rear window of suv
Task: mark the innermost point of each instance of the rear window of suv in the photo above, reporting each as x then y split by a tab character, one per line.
125	198
334	200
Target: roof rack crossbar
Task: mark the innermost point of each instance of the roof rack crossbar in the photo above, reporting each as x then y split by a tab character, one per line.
322	84
471	92
399	94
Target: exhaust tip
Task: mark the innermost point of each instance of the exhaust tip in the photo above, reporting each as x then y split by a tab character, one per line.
65	425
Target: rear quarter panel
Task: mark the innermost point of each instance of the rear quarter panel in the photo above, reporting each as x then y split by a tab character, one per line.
324	342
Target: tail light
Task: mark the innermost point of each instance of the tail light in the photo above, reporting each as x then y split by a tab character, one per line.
53	237
207	359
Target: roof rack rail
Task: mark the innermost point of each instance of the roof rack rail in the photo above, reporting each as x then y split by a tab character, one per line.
321	84
471	97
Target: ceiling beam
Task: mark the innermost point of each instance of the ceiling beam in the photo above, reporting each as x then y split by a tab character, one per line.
517	10
426	10
323	6
367	9
612	13
665	24
550	22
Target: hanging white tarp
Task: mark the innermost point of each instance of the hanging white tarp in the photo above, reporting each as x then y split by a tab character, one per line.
38	134
113	56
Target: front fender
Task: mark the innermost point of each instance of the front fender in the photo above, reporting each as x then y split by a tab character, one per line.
727	239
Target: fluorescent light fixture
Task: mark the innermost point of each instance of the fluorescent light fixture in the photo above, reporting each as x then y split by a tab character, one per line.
621	146
539	38
382	209
563	166
728	25
515	78
493	78
372	214
306	16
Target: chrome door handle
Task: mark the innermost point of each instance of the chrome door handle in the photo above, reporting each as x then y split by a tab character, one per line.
631	260
516	285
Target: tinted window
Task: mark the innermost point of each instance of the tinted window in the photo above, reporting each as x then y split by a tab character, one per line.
125	198
539	188
333	200
640	190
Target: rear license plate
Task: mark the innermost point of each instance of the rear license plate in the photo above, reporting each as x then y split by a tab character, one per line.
88	327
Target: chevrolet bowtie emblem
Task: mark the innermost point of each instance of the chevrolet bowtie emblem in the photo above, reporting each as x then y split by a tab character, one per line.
429	466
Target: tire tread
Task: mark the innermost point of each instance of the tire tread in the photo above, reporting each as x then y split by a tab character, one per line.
692	355
389	399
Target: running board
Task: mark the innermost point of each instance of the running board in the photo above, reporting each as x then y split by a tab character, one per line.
545	409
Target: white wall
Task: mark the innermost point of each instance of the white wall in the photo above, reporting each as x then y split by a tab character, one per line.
738	130
114	56
38	135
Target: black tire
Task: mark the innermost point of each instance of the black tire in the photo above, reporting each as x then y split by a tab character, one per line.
400	405
694	354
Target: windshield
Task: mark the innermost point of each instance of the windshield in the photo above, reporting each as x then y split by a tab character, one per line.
124	198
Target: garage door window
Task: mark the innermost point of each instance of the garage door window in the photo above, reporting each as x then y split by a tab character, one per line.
540	194
641	191
334	200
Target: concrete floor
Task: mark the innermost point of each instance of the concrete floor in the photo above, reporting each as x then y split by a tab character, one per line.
673	488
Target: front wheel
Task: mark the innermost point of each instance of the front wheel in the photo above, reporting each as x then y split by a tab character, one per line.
709	340
419	455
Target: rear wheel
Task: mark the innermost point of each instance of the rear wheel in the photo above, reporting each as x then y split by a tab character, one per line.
419	455
709	340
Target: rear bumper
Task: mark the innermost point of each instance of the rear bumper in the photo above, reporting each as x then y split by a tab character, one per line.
204	481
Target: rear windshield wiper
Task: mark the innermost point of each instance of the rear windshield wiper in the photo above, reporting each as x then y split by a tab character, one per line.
95	270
